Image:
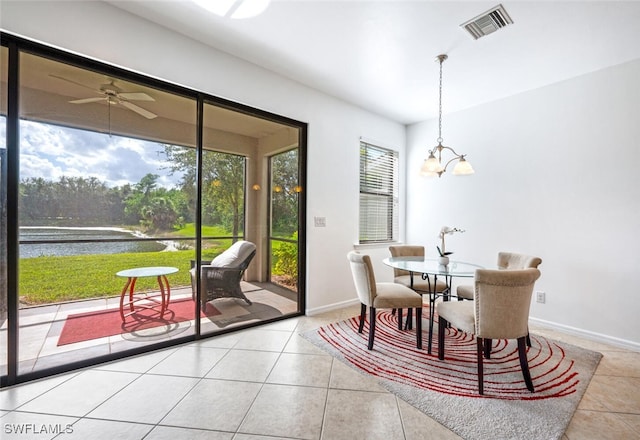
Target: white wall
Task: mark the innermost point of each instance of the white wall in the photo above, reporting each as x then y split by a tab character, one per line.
556	176
108	34
554	167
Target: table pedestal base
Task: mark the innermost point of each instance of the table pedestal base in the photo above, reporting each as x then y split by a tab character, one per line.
143	301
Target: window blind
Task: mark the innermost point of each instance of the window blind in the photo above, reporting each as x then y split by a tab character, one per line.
378	194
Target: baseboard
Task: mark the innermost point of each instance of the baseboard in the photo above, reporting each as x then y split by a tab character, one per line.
598	337
332	307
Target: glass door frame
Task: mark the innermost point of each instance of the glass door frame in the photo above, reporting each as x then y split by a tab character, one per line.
17	45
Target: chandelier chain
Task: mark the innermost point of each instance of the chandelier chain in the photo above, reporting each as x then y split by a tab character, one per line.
433	165
440	105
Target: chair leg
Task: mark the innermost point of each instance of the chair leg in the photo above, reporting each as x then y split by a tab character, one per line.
442	327
419	327
524	364
363	314
487	348
372	326
409	323
480	366
399	319
528	340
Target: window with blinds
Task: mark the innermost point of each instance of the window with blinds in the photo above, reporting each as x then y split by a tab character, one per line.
378	194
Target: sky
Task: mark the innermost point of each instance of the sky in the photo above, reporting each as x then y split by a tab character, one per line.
51	151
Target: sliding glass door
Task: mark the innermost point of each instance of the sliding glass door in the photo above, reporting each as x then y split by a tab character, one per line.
236	148
98	196
4	342
123	188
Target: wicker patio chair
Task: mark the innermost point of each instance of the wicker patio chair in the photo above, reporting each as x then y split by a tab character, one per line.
221	278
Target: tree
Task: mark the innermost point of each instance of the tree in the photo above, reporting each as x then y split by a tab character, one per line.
71	200
284	170
222	184
159	213
36	201
155	208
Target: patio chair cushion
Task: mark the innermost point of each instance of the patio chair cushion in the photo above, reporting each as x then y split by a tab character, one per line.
235	255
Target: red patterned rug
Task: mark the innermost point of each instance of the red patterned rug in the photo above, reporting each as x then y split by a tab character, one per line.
94	325
447	390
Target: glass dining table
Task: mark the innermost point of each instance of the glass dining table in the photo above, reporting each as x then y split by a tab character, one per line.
430	270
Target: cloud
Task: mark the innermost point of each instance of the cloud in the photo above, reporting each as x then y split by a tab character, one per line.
50	152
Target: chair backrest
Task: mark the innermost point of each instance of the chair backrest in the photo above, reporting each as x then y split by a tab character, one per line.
511	260
405	250
237	255
363	277
502	301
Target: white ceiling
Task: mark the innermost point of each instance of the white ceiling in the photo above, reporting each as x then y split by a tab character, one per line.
380	55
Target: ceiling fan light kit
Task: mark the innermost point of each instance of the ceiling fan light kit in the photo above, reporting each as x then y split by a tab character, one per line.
113	95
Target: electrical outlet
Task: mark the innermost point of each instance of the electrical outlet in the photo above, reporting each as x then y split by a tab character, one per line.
540	297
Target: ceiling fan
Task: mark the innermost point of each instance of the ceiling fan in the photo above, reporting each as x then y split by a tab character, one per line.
114	95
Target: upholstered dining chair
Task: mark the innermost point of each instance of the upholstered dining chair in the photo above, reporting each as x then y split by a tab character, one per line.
376	295
415	282
406	278
500	310
506	261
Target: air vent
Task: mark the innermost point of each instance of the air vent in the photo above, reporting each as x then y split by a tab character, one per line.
488	22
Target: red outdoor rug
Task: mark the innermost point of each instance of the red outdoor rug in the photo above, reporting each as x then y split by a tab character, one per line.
94	325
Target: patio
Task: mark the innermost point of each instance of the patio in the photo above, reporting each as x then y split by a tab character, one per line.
41	327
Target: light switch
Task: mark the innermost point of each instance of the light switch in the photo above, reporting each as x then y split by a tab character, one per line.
320	222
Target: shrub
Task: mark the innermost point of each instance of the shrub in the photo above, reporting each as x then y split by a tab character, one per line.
286	256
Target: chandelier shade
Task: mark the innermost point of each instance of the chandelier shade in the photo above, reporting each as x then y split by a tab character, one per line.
432	165
462	168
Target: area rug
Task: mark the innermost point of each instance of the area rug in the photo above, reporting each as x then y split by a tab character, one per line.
447	390
93	325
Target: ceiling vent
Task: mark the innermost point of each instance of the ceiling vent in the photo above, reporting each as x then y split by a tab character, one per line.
488	22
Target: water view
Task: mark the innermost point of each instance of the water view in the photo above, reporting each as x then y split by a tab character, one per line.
55	234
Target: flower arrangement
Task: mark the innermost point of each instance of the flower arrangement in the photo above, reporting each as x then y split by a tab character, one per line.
446	230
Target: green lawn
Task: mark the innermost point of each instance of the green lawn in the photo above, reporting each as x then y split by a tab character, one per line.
207	231
48	279
52	279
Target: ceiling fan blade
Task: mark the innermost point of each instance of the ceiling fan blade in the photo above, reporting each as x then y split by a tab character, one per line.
73	82
86	100
146	113
136	96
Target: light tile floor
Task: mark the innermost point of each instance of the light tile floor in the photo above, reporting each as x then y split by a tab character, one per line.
270	383
40	327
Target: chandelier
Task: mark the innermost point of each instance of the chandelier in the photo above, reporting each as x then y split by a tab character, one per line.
433	165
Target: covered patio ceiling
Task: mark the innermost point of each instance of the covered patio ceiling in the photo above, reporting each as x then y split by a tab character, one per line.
47	88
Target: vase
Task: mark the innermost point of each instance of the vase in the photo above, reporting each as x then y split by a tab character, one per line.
443	261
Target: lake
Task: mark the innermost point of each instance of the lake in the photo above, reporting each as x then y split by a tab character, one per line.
53	234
